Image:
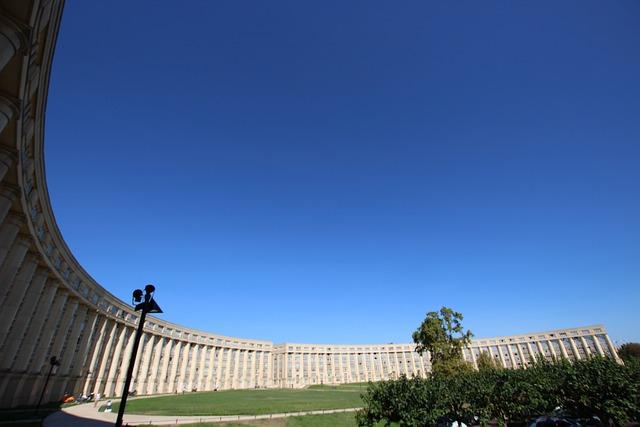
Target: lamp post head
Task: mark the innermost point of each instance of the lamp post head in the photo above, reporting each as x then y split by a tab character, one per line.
149	289
137	295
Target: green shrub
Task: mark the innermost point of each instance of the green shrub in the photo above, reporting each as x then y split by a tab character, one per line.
591	387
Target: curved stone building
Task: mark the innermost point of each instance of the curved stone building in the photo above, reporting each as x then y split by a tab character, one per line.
50	306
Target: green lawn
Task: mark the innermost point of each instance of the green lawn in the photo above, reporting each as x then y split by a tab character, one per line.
333	420
249	402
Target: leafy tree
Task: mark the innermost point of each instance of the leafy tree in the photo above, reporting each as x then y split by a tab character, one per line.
485	361
442	335
451	367
629	351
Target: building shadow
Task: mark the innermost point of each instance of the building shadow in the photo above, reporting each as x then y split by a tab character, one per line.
65	419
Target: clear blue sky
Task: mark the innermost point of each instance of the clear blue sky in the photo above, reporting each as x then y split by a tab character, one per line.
330	171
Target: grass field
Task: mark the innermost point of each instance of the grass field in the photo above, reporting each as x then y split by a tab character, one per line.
250	402
333	420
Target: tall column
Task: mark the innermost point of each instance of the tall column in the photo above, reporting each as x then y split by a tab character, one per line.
473	356
213	362
532	355
8	233
15	294
164	380
541	349
574	349
236	368
124	359
23	317
612	349
193	381
145	378
7	156
67	353
390	369
115	361
227	369
78	368
11	265
40	354
551	349
254	374
8	194
512	356
261	370
174	367
201	380
598	346
218	382
563	349
587	350
184	361
56	341
93	370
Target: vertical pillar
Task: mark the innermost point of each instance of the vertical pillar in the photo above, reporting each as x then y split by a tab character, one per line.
220	361
511	356
164	380
598	346
236	368
213	365
7	156
612	349
105	357
115	362
146	379
25	320
15	294
227	368
125	355
67	354
201	382
11	265
532	356
193	381
180	366
574	349
587	350
93	370
254	373
261	381
473	356
175	360
8	194
8	232
541	349
40	353
563	349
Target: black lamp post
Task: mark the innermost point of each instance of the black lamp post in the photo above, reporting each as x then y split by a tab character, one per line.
53	361
148	305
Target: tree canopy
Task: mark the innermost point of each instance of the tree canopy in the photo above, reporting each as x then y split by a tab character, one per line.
442	335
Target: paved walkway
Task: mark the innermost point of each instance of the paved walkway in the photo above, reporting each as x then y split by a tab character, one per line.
86	415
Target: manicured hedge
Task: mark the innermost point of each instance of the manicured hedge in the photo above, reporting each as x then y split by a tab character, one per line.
582	389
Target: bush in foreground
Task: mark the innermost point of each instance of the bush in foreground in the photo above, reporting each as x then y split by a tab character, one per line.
583	389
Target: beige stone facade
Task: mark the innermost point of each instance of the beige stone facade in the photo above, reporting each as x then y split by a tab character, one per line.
51	307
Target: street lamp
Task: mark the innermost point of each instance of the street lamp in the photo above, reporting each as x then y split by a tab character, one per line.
53	361
148	305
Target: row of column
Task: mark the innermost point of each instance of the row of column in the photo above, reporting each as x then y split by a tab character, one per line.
517	355
39	319
165	365
298	369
